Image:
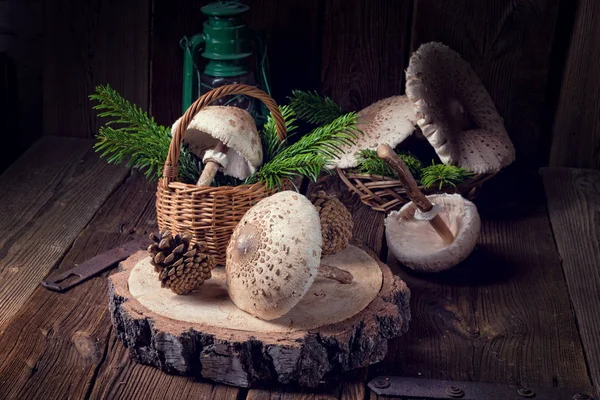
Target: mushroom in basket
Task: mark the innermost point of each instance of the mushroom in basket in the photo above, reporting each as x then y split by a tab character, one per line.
226	139
430	233
274	256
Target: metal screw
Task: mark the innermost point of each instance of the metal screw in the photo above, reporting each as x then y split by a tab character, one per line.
581	396
524	392
454	392
382	383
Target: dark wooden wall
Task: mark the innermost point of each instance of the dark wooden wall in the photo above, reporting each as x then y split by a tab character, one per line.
538	58
21	77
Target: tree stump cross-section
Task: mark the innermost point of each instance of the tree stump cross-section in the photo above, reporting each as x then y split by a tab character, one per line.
230	355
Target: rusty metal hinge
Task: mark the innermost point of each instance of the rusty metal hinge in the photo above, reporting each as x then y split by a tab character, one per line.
429	389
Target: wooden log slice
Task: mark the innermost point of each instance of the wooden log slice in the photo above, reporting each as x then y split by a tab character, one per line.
335	328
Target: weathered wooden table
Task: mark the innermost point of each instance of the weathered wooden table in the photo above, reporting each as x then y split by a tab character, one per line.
524	309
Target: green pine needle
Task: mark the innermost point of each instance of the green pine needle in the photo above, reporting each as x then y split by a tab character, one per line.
310	155
136	138
312	108
370	163
443	175
270	141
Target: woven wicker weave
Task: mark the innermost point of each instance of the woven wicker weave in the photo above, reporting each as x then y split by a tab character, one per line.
209	213
386	194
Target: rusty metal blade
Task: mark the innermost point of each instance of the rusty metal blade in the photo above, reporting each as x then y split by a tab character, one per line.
93	266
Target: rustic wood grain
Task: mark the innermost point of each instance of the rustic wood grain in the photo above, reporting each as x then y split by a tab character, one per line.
57	342
573	197
120	377
88	43
292	44
364	50
577	123
504	315
305	357
63	343
508	42
50	194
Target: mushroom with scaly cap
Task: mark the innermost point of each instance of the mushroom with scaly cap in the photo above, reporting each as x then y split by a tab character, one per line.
274	254
388	121
226	139
455	112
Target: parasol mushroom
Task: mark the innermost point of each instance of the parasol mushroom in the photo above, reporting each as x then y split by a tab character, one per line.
225	138
274	254
389	121
430	233
455	112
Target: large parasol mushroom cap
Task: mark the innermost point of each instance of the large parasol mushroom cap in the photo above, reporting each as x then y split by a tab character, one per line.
416	244
274	254
389	121
233	127
455	112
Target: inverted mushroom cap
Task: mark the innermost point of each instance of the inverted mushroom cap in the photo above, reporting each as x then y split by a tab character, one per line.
232	126
455	112
389	121
274	254
418	246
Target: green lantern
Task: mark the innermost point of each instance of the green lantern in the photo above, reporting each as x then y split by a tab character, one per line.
226	52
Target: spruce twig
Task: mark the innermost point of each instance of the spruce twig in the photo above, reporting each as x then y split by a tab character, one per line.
134	136
311	154
312	108
270	141
370	163
443	175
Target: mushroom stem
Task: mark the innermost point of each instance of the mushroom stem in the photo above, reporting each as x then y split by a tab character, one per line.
211	167
335	273
386	153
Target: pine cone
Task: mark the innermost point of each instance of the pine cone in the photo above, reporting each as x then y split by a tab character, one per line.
182	266
336	222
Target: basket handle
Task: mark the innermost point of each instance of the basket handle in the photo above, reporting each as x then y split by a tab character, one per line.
170	170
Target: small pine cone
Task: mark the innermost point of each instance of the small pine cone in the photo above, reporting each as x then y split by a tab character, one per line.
336	222
182	266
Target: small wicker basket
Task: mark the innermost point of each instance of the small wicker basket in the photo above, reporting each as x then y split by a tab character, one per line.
207	213
386	194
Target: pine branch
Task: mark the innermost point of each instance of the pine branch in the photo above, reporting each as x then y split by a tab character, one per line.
270	141
312	108
443	174
370	163
311	154
136	137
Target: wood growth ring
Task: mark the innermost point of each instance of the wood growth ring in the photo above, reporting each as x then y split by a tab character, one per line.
335	328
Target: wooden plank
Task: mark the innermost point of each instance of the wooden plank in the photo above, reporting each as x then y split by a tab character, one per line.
50	194
504	315
508	42
57	341
88	43
292	45
63	343
573	197
577	123
364	52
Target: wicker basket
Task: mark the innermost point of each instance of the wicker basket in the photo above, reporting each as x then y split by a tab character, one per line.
208	213
387	194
